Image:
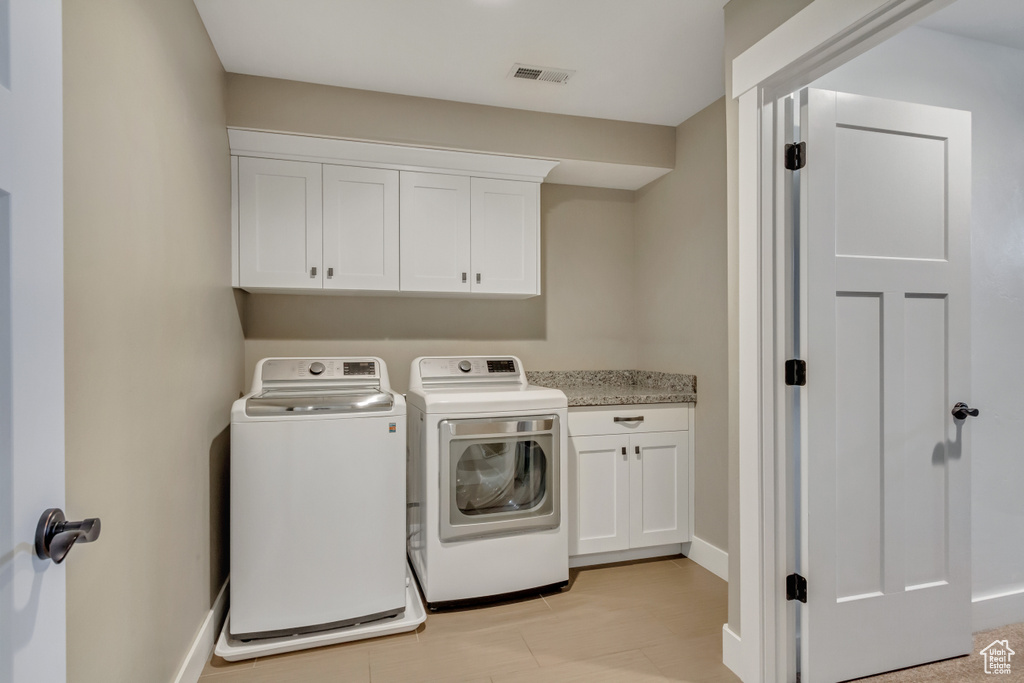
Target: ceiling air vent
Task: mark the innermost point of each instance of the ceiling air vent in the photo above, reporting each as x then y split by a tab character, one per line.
540	73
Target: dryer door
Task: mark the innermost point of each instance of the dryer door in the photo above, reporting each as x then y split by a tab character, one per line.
499	476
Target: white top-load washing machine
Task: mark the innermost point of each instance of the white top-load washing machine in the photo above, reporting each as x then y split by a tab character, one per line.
487	480
317	498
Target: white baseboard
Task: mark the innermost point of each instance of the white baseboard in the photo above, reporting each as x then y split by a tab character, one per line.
993	611
732	651
202	645
626	555
712	558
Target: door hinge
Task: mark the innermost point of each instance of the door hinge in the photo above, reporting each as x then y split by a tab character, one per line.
796	156
796	588
796	372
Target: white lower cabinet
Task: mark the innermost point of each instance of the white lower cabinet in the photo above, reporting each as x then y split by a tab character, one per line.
629	488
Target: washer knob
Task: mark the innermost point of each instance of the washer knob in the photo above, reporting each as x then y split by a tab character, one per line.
317	368
465	365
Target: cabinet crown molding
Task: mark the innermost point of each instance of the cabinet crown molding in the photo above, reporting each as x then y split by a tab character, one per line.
253	143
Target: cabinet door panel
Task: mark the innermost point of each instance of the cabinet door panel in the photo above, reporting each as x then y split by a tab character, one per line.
659	488
360	228
435	243
599	494
280	222
506	236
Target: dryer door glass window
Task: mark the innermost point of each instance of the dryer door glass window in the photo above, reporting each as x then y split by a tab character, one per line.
499	477
492	477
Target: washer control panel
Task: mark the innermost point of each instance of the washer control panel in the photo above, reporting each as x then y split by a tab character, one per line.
471	368
283	369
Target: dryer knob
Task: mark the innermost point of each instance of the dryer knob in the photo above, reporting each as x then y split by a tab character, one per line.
317	368
465	365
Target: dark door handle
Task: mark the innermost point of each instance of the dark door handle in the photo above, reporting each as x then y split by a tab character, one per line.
55	535
962	411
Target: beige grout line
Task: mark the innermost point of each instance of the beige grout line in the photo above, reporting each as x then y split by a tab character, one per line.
530	649
653	663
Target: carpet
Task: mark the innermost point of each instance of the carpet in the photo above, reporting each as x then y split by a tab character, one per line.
968	668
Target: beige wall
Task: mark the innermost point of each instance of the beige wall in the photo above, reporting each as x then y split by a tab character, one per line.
293	107
682	323
746	22
153	338
584	318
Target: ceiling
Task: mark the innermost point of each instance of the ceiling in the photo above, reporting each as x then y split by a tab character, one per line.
649	61
994	21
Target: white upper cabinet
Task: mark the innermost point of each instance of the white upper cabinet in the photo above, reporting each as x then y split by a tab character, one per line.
470	235
505	237
360	228
325	215
279	216
435	232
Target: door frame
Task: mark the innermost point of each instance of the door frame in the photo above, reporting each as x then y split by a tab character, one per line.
33	638
816	40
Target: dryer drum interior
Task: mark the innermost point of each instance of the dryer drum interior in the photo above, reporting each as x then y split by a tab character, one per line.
500	476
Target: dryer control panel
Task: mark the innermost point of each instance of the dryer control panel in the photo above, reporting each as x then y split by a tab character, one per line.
472	368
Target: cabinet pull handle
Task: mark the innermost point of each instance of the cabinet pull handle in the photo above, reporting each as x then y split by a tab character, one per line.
312	272
478	278
637	451
463	277
638	418
330	273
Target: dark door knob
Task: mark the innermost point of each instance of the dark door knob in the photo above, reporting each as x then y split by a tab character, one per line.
962	411
55	535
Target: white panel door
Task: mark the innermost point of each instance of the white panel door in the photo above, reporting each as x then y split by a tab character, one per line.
280	223
659	482
599	494
435	244
32	608
360	228
885	518
506	236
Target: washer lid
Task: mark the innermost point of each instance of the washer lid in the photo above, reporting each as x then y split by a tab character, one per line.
297	402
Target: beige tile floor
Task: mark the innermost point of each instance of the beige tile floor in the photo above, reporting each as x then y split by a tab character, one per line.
658	620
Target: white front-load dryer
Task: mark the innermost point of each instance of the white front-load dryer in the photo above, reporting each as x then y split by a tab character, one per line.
488	510
317	498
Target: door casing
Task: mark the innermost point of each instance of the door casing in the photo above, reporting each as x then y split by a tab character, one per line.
818	39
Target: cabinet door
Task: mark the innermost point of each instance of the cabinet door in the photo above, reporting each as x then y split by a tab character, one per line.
659	489
506	236
435	217
279	224
598	494
360	228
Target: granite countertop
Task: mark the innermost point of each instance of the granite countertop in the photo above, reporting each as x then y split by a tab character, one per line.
617	387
